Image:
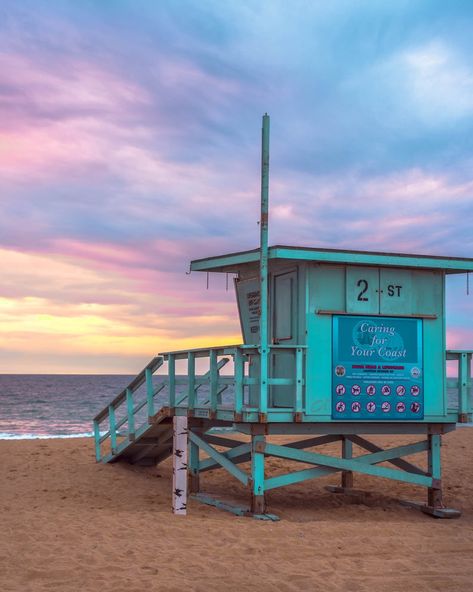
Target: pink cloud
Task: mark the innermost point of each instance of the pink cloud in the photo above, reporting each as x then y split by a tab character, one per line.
69	85
460	338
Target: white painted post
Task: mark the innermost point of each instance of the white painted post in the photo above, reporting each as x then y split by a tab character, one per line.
179	465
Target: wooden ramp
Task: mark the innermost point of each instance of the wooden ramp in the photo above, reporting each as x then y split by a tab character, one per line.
137	425
129	428
151	446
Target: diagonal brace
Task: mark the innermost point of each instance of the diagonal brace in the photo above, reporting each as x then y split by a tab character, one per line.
237	455
220	458
360	464
397	462
297	477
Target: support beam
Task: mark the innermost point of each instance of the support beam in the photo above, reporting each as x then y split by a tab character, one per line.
220	441
258	505
194	473
383	429
434	494
347	452
179	465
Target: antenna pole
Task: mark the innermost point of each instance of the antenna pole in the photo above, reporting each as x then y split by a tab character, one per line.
264	353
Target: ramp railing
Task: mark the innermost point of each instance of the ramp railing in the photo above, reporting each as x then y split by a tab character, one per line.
127	415
204	394
463	383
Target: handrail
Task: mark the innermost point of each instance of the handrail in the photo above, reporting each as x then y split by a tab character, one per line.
135	410
222	350
463	383
199	352
126	397
240	379
139	379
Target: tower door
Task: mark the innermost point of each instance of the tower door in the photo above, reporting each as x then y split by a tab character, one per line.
284	329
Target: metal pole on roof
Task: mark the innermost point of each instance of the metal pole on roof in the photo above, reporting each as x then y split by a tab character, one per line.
264	353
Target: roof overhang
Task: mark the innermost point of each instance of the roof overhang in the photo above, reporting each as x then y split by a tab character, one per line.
232	262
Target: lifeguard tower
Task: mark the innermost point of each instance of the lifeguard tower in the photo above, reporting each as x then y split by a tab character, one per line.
337	346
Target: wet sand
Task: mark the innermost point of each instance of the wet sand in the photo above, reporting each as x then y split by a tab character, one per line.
69	524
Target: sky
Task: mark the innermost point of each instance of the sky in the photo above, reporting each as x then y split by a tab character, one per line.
130	144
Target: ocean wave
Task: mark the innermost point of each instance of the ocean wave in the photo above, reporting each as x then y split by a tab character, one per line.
8	436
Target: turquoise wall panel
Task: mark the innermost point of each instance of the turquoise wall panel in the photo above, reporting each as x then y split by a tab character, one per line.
326	292
326	288
428	294
421	294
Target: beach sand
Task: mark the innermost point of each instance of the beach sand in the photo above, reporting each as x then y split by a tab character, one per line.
69	524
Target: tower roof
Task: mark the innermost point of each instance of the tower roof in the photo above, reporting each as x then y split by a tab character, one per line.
232	262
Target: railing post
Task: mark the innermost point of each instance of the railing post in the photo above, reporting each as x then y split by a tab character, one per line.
172	380
98	454
149	391
238	365
130	413
213	377
463	402
299	380
469	358
113	428
191	378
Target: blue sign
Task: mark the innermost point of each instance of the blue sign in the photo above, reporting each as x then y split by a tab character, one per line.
377	368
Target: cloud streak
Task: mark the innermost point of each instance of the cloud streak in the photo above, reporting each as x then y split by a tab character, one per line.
129	144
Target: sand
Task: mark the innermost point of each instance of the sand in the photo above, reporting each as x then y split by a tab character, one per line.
69	524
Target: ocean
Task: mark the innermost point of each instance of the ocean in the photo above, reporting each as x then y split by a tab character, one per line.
62	406
45	406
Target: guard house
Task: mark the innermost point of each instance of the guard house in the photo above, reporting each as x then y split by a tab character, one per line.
338	345
353	336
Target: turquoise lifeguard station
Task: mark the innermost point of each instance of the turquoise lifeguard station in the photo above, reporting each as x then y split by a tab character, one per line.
337	346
